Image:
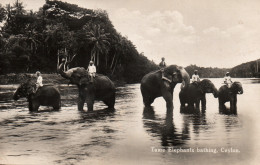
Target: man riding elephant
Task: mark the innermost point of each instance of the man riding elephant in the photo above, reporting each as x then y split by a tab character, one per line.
161	83
196	93
47	95
227	94
102	88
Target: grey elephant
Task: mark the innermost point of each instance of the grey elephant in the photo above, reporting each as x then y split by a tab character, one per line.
196	93
162	83
46	95
229	95
102	88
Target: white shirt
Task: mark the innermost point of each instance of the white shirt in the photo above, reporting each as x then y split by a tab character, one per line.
195	78
92	69
227	79
39	81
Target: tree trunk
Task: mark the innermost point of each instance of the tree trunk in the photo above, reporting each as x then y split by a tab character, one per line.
112	61
106	60
114	66
97	59
58	61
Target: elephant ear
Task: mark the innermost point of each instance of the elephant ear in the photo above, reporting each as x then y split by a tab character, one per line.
205	84
167	77
170	73
78	76
235	87
84	80
30	90
29	87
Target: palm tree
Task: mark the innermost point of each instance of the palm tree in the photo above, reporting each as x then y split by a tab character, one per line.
99	38
120	50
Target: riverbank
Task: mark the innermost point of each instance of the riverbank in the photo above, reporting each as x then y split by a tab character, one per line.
13	78
53	79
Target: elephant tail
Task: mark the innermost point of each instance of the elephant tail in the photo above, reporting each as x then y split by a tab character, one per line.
60	102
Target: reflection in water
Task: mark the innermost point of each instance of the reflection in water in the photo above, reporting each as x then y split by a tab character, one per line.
126	135
165	130
190	110
226	111
96	115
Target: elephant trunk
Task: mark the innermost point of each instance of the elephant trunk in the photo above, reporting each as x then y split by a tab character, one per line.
61	72
66	74
15	96
185	77
215	92
241	91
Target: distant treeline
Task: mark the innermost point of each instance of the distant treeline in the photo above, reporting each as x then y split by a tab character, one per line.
245	70
249	69
207	72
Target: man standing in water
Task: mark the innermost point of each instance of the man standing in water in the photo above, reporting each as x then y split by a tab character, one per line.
91	71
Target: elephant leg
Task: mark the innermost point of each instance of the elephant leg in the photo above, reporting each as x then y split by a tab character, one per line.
33	106
232	102
197	103
81	101
146	96
90	102
190	105
220	105
182	103
234	110
57	105
30	106
182	99
148	100
110	101
151	100
169	101
203	102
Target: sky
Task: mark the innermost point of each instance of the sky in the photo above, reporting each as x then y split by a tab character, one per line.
208	33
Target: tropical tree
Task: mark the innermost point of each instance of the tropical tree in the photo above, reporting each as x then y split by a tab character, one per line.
100	41
2	13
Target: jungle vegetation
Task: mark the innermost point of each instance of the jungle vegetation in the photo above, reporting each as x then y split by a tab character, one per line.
39	40
32	41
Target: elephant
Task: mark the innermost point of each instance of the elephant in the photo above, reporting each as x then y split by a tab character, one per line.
196	92
46	95
162	83
229	95
102	88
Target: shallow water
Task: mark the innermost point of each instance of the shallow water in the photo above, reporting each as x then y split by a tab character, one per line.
129	134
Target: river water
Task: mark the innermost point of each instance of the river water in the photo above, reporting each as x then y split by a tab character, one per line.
130	134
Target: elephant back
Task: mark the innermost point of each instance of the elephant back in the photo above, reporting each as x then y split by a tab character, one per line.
47	90
103	82
151	79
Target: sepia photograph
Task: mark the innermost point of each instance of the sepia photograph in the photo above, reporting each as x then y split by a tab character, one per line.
125	82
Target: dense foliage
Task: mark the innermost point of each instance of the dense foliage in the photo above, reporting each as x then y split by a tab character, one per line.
39	40
249	69
32	41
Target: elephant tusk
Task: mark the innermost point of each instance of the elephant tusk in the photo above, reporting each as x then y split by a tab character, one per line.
165	78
